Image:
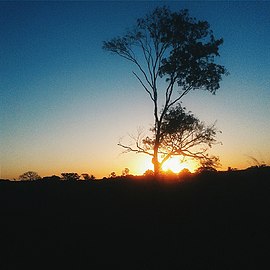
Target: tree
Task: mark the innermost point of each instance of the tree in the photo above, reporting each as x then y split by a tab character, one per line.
87	177
125	172
112	175
29	176
208	165
203	169
148	173
175	49
70	176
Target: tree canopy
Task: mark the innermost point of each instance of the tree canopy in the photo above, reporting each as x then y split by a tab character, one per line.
29	176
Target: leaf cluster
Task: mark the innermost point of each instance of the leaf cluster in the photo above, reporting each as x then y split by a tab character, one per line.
174	45
183	134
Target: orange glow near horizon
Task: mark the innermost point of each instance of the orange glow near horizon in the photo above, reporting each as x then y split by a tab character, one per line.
175	165
144	164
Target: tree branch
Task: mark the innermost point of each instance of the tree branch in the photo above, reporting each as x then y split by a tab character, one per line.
145	88
130	149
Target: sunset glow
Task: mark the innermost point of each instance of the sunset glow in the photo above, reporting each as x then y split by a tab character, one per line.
66	103
176	165
144	164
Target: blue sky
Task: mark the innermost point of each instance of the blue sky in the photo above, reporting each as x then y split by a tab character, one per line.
65	102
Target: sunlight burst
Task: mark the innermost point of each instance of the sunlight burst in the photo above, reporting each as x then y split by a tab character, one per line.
144	164
175	165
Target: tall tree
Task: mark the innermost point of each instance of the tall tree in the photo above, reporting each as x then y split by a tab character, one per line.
176	49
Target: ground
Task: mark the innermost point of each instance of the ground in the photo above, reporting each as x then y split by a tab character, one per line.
211	221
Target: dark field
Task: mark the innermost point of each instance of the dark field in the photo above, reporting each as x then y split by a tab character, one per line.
213	221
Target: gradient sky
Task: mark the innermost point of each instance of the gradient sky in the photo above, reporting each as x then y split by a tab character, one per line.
65	102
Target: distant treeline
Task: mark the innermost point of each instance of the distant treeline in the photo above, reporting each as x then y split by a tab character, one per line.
184	175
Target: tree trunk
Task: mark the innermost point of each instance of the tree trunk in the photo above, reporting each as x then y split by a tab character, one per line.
155	161
156	167
157	137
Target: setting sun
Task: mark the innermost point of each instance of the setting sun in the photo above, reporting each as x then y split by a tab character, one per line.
175	165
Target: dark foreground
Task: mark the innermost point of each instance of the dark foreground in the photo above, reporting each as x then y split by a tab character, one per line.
211	222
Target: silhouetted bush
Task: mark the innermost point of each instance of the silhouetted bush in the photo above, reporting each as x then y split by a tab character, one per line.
51	178
70	176
149	173
88	177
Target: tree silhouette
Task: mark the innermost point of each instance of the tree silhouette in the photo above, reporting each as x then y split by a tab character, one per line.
29	176
208	165
112	175
86	176
179	50
125	172
148	173
70	176
181	133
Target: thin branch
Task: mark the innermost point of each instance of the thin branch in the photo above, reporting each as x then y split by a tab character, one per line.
147	58
183	94
143	72
130	149
126	56
165	159
145	88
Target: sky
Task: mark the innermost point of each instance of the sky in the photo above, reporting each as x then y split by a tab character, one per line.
65	103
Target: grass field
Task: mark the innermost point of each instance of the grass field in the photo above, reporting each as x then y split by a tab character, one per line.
212	221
